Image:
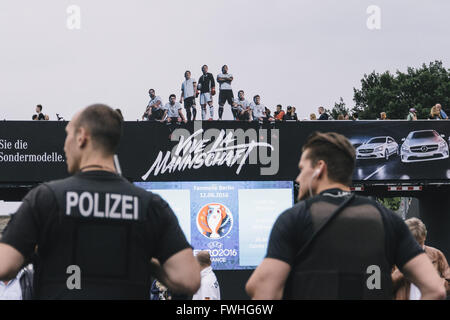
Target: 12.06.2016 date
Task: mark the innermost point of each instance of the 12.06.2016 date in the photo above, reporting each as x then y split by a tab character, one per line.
214	195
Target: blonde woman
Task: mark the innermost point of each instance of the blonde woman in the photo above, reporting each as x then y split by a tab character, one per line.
435	114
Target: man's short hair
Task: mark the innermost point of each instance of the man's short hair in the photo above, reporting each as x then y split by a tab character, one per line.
172	95
151	90
185	73
254	98
104	125
120	114
204	258
336	151
39	106
240	91
417	228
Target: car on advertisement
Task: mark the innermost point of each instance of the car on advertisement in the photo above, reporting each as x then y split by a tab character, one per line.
423	145
377	148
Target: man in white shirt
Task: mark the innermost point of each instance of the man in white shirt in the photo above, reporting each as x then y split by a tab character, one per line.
226	92
173	110
258	110
188	93
209	287
155	107
241	108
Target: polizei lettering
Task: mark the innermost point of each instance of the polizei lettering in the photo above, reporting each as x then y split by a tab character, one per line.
228	148
102	205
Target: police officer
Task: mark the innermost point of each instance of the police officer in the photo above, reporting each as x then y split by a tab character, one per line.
95	234
332	245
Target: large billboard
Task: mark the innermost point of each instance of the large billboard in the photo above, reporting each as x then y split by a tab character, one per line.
387	151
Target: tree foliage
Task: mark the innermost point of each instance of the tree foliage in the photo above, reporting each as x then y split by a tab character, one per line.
339	108
419	88
391	203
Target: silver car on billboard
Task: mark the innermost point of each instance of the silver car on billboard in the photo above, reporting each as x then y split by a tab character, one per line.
424	145
377	148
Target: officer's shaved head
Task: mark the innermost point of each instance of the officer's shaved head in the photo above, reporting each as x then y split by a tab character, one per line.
103	124
204	258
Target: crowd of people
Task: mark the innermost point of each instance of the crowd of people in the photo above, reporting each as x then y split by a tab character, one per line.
241	108
205	89
436	113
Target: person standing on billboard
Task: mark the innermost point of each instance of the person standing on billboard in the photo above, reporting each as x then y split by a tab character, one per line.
207	88
188	93
226	92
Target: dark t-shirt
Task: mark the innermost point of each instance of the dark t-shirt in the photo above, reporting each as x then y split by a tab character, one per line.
323	116
38	221
289	116
206	82
293	228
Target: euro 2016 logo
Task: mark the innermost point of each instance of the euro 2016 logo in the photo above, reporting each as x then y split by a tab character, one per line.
214	221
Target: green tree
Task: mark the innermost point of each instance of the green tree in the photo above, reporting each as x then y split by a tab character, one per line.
391	203
419	88
339	108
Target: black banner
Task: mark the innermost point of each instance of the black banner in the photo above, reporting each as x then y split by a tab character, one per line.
387	151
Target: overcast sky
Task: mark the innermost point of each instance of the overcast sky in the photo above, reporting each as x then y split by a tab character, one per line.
300	53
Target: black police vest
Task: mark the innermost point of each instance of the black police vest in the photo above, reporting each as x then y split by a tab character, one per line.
100	232
347	259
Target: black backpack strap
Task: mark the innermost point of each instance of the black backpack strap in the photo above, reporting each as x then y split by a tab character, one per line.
324	224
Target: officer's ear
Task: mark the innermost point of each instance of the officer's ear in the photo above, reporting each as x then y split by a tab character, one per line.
82	137
320	167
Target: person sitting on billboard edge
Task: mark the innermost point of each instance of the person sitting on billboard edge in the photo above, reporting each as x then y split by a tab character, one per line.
412	116
279	113
441	111
335	245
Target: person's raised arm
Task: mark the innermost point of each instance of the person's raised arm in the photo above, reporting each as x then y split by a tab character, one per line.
420	271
